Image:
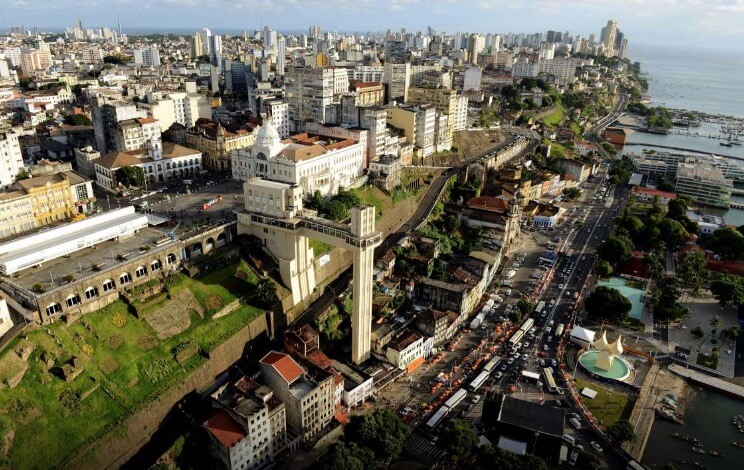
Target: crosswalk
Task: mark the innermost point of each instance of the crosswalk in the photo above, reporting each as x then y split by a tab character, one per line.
422	449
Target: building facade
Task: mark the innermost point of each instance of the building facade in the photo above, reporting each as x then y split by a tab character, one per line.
11	158
215	143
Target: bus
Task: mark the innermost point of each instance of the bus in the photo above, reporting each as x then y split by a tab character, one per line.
455	399
492	364
437	418
549	381
478	382
540	307
527	325
516	338
559	330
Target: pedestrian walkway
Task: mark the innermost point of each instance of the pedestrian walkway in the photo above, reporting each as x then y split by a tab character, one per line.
708	381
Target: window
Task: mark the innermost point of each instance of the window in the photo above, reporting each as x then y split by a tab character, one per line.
53	309
108	285
91	292
156	265
141	271
125	278
73	300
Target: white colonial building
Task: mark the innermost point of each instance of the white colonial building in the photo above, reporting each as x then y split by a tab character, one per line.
160	162
313	162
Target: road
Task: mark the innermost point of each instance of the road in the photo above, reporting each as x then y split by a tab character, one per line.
600	125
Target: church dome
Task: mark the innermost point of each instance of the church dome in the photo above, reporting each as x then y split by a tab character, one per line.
267	135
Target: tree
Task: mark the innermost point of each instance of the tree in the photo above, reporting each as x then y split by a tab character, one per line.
78	120
347	456
677	208
515	315
571	193
458	438
726	242
117	59
609	303
692	271
656	260
633	225
525	306
382	431
728	289
22	175
604	269
716	322
451	223
316	200
622	431
130	176
336	210
616	249
664	295
266	293
673	233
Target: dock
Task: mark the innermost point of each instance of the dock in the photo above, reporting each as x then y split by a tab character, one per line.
709	381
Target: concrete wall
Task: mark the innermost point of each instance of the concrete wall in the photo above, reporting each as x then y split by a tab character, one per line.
119	444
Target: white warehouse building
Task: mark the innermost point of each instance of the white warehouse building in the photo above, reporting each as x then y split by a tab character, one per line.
46	246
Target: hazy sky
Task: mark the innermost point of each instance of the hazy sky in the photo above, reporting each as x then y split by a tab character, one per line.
688	22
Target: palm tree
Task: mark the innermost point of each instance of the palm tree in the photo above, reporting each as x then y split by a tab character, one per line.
716	322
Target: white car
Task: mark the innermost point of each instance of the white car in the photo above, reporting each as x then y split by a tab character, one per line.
510	361
596	446
499	375
560	286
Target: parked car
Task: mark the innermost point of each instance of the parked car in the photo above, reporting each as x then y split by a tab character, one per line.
596	446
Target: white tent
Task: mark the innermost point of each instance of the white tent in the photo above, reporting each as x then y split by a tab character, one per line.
582	336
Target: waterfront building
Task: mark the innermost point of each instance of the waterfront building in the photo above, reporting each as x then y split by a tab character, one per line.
648	195
705	184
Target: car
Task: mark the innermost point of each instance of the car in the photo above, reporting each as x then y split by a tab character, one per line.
545	347
525	357
575	423
504	367
518	346
499	375
574	415
570	439
559	391
476	399
560	286
596	446
526	346
572	458
510	361
542	362
554	363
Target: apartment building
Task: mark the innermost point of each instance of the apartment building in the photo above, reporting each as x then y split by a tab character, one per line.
11	158
181	107
107	114
248	426
397	79
705	184
278	112
16	214
405	349
417	123
55	197
309	92
133	134
307	395
149	56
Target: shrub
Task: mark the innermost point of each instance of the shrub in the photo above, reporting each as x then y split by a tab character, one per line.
119	319
109	365
213	302
38	288
115	341
240	274
158	370
69	278
146	342
69	400
87	349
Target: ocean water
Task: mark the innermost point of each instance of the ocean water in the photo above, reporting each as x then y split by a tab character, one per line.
706	80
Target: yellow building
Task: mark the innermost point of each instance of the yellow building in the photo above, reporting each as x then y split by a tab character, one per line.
57	197
215	143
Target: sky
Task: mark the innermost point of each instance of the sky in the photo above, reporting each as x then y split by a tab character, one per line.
705	23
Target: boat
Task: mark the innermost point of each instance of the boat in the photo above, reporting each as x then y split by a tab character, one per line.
698	450
689	439
716	453
726	144
682	461
740	445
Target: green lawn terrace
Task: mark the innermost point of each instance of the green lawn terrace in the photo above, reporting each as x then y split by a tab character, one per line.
83	379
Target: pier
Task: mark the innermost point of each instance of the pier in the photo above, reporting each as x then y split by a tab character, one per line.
685	150
736	205
709	381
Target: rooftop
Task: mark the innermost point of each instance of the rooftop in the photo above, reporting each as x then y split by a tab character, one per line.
404	340
533	416
225	429
284	365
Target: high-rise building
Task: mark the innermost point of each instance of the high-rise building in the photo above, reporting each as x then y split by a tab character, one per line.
11	158
314	32
281	55
608	38
476	44
215	50
149	56
269	38
397	79
196	45
106	118
309	93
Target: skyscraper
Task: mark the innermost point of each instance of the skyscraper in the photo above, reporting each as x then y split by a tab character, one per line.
196	45
215	50
281	55
314	32
608	37
269	38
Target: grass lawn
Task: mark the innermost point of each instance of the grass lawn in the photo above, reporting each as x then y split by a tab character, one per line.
125	365
373	196
555	118
608	407
319	247
711	362
556	150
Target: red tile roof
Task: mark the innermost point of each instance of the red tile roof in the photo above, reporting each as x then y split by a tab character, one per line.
488	203
284	364
654	192
224	428
320	359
